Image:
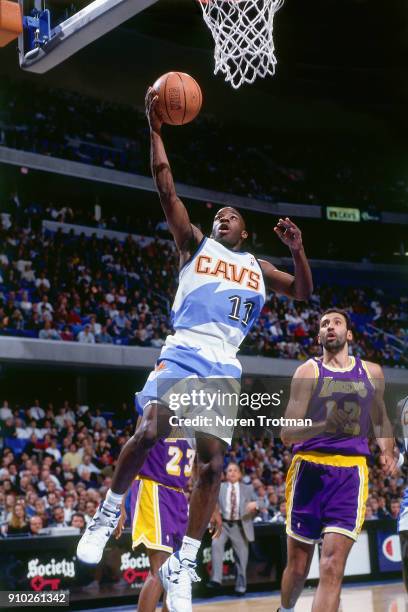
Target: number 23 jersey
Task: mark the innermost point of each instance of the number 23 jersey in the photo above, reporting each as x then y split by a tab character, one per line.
220	294
169	463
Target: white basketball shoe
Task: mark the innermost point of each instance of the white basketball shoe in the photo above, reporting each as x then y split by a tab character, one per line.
99	530
176	576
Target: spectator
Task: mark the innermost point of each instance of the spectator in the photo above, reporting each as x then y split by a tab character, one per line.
5	412
236	509
36	412
73	458
86	336
395	506
87	466
36	525
17	524
104	337
48	332
280	517
58	518
78	521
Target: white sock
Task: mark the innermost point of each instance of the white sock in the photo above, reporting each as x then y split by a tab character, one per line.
282	609
112	501
189	548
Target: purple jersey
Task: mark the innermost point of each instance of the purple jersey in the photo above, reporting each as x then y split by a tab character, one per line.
347	389
169	463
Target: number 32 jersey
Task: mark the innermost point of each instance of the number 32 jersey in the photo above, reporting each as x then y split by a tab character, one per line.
220	294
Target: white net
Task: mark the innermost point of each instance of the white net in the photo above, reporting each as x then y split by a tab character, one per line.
243	36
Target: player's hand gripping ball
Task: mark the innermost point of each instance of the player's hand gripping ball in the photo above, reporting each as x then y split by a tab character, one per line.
179	98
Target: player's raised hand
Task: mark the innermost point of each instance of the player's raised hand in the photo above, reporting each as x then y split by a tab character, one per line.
152	114
388	463
289	233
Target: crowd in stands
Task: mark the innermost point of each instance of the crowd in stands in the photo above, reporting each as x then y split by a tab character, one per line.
57	462
72	126
67	287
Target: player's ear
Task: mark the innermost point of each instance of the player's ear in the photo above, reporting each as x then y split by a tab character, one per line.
244	234
318	339
349	335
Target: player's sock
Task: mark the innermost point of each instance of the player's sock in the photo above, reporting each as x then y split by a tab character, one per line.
189	548
112	501
282	609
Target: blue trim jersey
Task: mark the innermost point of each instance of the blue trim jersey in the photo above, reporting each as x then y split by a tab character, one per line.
220	294
403	516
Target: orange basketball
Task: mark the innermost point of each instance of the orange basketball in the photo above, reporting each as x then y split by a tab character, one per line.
180	98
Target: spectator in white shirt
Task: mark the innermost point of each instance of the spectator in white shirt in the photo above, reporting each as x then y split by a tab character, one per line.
86	336
42	283
22	432
95	327
54	451
98	419
69	504
5	412
45	306
48	332
87	466
36	412
25	304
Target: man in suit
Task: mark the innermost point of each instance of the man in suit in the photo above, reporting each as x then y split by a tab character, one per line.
237	510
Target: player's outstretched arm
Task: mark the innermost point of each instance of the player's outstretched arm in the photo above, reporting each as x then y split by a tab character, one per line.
185	234
381	423
299	286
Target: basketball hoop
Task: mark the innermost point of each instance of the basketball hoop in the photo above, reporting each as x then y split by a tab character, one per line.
243	36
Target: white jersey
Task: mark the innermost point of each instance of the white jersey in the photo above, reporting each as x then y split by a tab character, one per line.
220	294
403	517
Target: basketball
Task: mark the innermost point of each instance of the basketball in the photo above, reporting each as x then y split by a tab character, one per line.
180	98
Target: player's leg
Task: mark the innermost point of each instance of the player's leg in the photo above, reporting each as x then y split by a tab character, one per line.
178	572
155	422
300	555
152	589
335	550
204	496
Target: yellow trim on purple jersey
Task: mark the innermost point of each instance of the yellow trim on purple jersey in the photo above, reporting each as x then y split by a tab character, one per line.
334	460
178	489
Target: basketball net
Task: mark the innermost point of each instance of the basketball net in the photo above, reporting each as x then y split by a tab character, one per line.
243	36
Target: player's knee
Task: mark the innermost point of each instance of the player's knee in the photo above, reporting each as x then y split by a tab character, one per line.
331	569
298	570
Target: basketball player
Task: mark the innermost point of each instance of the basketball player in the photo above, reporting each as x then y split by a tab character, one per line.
220	295
403	516
326	486
158	508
